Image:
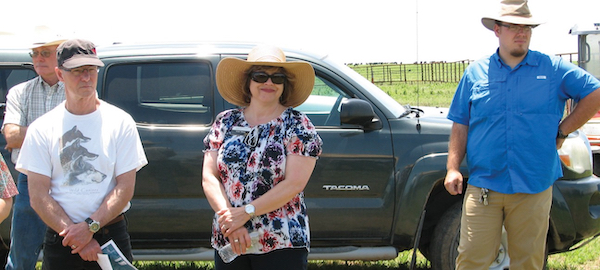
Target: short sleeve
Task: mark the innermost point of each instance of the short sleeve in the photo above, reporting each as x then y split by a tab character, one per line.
130	152
15	106
7	184
214	138
35	153
575	81
302	136
460	106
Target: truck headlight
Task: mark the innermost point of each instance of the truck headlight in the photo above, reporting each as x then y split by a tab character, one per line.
576	156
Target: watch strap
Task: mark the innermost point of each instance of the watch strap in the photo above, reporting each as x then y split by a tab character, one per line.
561	135
93	225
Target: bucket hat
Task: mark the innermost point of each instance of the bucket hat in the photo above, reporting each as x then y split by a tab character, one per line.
75	53
511	11
231	75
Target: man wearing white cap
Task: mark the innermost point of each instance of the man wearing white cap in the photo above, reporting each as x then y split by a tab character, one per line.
26	102
81	159
508	121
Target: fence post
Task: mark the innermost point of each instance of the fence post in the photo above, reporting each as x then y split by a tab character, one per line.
432	71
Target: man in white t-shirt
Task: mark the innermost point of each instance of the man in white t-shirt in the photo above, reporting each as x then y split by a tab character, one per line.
81	160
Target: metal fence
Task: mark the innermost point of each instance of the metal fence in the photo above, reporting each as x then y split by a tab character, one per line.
449	72
423	71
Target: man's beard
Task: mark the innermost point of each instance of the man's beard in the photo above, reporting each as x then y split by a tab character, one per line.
518	53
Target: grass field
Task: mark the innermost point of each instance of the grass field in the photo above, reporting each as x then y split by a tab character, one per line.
421	94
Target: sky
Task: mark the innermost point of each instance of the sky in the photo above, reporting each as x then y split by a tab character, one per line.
350	31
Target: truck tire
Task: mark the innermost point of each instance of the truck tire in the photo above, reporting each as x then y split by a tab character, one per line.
444	243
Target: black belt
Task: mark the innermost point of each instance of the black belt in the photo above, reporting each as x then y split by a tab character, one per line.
115	220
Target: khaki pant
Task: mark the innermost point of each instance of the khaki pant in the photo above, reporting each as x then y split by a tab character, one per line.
525	217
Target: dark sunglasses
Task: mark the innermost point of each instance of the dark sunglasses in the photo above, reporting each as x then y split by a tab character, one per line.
261	77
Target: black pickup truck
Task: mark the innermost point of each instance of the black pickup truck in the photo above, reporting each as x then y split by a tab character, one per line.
377	189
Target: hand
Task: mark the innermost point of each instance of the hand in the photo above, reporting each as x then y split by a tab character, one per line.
76	236
559	143
231	219
454	182
240	240
90	251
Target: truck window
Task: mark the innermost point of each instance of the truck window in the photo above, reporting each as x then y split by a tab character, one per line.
162	93
11	76
323	104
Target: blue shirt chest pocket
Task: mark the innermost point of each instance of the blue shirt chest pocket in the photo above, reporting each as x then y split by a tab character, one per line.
534	95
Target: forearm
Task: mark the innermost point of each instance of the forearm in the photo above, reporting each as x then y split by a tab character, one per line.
5	206
14	135
585	109
213	189
457	146
278	196
117	199
215	193
298	172
44	205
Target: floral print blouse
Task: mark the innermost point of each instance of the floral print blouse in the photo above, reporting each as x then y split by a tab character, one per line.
251	161
8	188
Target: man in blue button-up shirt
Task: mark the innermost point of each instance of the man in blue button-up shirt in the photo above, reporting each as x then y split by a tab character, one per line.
507	115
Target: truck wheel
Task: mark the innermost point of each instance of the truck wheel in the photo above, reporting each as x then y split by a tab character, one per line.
444	243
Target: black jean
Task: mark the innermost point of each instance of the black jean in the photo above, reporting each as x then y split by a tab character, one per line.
59	257
286	258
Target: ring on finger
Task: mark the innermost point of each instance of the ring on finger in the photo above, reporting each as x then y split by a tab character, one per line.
73	246
236	240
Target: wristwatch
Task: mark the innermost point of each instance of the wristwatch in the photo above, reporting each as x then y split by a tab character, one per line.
561	135
249	210
93	225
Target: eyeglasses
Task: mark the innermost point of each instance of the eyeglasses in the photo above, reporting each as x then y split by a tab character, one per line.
261	77
81	70
517	28
44	54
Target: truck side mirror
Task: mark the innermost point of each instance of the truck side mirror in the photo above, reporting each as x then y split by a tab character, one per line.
359	112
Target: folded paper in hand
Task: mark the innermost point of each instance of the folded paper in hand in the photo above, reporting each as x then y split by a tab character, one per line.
112	258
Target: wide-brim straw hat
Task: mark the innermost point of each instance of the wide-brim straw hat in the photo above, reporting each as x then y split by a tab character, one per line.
511	11
231	75
38	44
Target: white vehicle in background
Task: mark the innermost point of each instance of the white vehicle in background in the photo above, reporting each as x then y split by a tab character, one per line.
588	51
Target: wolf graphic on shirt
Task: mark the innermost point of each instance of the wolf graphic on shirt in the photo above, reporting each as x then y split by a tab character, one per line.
74	160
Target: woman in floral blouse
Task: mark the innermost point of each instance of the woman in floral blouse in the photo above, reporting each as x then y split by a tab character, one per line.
8	189
258	159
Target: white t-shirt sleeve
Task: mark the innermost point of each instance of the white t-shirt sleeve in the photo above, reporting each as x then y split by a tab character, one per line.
35	153
130	153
